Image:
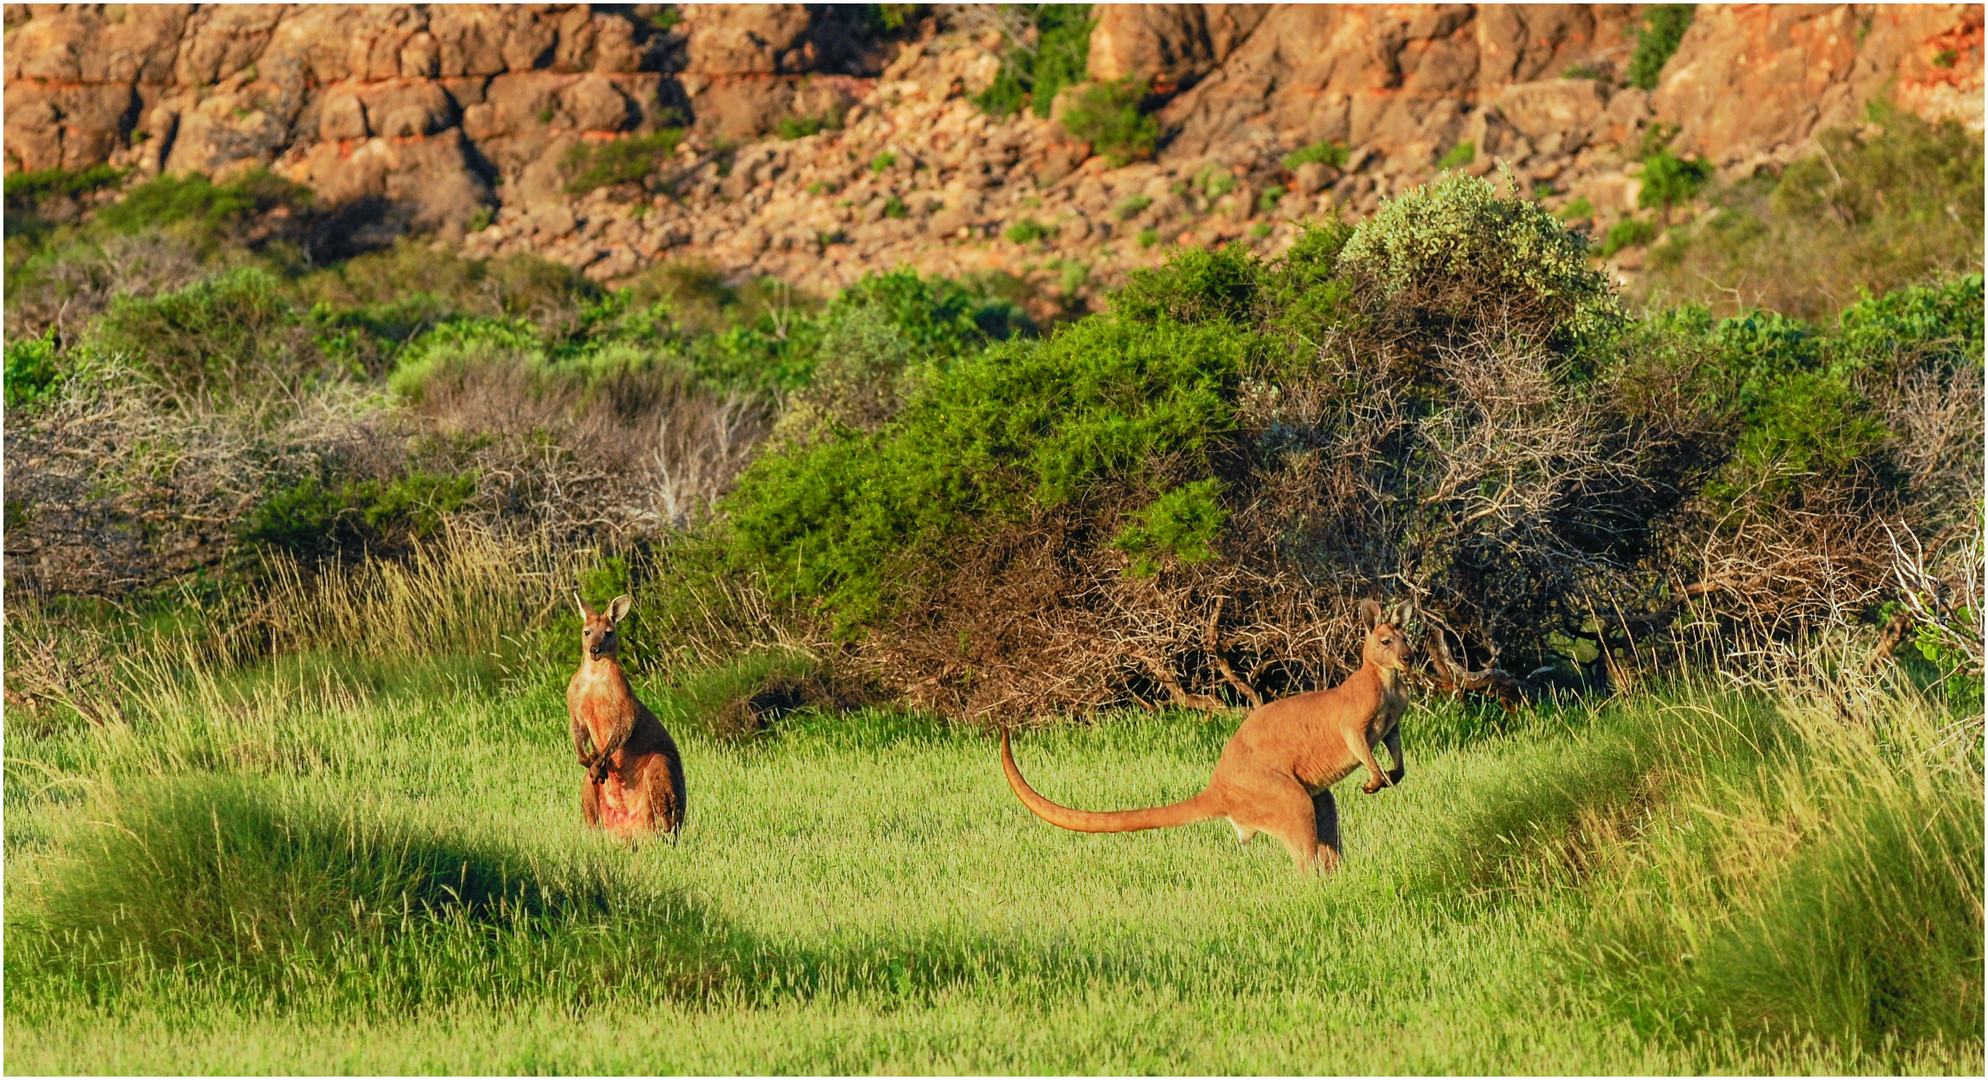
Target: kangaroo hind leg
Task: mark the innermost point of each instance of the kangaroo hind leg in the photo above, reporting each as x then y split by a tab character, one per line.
1285	813
1325	815
1393	743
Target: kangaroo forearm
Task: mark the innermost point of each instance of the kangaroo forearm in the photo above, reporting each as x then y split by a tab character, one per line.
618	738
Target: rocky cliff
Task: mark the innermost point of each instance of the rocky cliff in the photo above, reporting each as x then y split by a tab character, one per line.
463	119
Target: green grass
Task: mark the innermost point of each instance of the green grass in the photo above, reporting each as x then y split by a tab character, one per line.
631	160
1459	155
1026	231
1323	152
333	864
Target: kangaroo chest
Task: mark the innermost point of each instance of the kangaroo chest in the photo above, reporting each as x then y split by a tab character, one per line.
601	701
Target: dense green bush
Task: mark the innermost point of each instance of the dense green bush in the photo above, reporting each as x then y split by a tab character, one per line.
1627	233
1034	74
1323	152
33	369
1663	27
316	517
1670	181
193	198
1026	231
223	335
1444	254
1109	117
633	159
28	187
1023	425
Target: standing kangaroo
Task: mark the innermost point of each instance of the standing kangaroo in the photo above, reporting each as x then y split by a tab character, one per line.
634	773
1276	774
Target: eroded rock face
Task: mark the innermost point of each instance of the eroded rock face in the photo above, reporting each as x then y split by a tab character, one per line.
1404	76
439	112
1175	45
1799	69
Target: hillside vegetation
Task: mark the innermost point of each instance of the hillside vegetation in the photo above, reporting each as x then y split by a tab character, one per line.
292	534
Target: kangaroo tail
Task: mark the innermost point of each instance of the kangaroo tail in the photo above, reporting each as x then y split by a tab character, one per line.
1186	812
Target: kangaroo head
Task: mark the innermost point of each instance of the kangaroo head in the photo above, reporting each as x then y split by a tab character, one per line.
1386	646
597	634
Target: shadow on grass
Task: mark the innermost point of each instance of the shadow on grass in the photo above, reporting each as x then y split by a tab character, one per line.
247	888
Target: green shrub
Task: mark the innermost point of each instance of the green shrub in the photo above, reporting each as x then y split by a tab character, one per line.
1670	181
1021	426
28	187
894	208
1268	201
1107	116
1182	523
633	159
33	370
1663	27
171	199
1062	52
1578	209
883	161
224	334
1197	286
1215	181
1325	153
800	127
1027	230
452	343
1879	208
368	337
1033	75
312	518
941	318
1148	237
1940	322
1439	254
1629	232
1460	155
1131	207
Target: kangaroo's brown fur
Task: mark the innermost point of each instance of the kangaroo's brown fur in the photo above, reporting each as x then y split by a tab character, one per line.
1276	774
634	774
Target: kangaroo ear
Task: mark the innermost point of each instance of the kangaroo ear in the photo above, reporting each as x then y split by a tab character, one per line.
585	614
1399	615
1370	613
617	608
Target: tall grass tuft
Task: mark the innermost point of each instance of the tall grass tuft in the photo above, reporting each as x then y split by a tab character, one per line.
275	891
1832	891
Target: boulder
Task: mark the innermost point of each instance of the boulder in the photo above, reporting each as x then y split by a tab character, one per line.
1567	109
428	180
1173	45
1801	69
745	39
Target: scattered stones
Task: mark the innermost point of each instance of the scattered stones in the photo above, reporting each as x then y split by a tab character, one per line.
426	107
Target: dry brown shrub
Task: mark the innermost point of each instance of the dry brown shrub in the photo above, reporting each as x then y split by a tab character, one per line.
117	484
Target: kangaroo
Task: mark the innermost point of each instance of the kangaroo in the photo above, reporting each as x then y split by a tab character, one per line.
634	773
1276	773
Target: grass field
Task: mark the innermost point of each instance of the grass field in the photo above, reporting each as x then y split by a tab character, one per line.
332	864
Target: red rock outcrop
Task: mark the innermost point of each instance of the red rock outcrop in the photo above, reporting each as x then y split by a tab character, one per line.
447	110
1752	80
